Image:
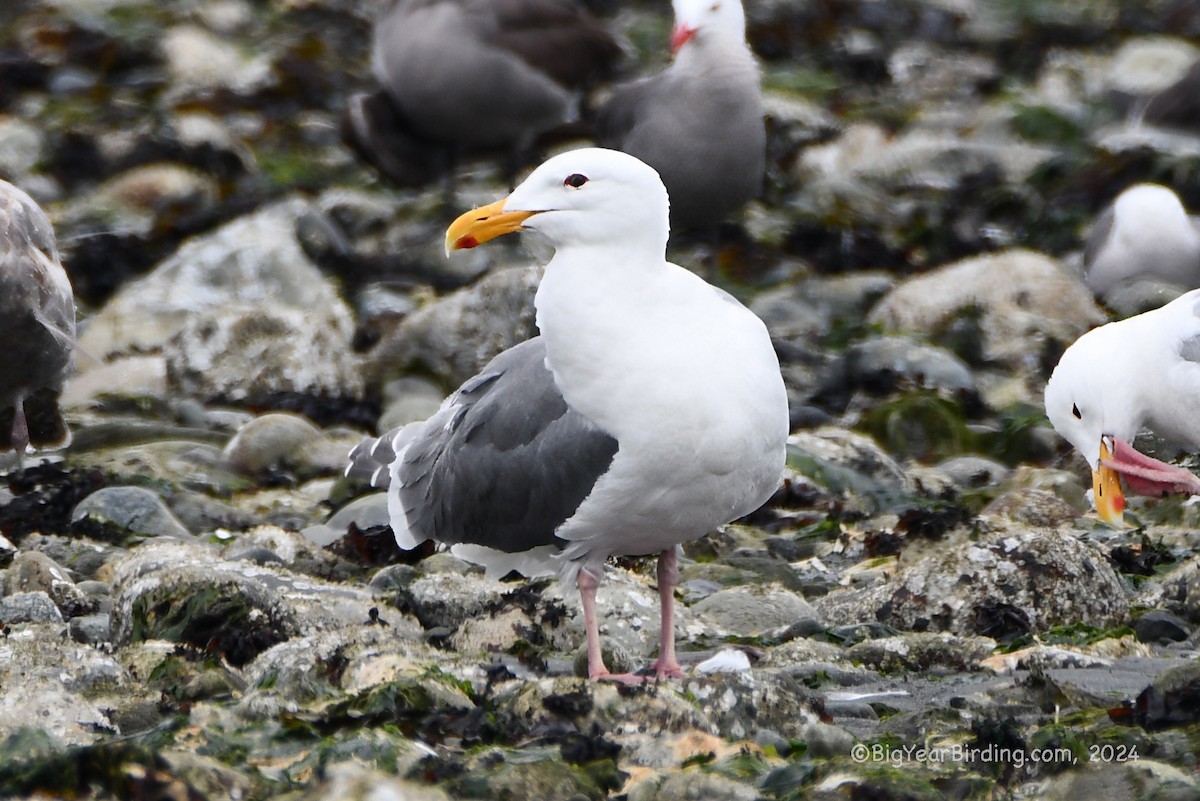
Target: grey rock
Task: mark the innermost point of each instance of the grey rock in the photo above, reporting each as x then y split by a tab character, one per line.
253	606
881	363
739	704
200	60
136	200
1179	592
1032	506
826	740
752	610
849	465
1158	626
1144	65
1141	296
921	651
235	311
409	399
272	441
85	558
65	687
993	584
90	629
1023	299
200	513
455	336
1122	781
243	354
394	577
134	510
348	781
181	462
923	72
445	600
365	512
21	146
692	784
974	471
32	571
29	607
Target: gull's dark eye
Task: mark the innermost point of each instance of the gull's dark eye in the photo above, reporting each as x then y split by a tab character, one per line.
575	180
1075	411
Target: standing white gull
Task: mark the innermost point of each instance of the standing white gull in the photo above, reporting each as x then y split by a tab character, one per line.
650	411
700	121
1115	379
1145	233
37	326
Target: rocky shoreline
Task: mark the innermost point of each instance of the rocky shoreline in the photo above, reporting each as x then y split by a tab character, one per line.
195	604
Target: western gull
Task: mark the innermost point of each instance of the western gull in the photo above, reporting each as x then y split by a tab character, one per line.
37	326
1115	379
648	412
699	122
472	74
1145	233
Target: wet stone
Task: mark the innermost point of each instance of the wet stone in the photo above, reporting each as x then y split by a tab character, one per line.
133	510
754	610
32	571
29	607
272	441
90	629
1159	625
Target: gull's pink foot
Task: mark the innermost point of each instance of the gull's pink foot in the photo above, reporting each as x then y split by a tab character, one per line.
623	678
670	670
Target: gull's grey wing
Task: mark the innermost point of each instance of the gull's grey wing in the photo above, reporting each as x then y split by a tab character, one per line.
503	463
1097	236
558	37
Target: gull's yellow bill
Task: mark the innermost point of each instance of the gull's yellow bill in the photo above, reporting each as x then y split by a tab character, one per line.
483	224
1106	489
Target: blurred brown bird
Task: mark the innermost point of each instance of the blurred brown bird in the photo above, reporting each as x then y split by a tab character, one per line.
37	326
461	76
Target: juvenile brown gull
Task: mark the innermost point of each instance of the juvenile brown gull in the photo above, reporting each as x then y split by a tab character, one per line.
37	326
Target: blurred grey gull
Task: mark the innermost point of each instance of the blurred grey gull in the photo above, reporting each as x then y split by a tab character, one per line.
37	326
648	412
699	122
1145	233
472	74
1115	379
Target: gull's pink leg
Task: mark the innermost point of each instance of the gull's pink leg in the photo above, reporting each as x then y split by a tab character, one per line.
1147	476
666	666
597	670
20	431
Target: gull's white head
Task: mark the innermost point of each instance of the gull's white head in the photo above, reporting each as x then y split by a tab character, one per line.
702	20
590	196
1087	399
1092	406
1144	208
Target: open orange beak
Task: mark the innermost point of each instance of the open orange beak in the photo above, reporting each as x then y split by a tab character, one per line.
483	224
1106	489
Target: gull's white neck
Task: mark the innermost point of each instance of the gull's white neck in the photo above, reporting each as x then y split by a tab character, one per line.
724	51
